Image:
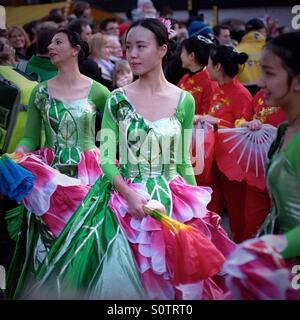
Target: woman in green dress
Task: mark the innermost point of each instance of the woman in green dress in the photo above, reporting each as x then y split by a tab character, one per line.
69	162
109	248
280	82
65	107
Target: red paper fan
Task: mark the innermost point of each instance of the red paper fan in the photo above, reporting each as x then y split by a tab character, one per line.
241	153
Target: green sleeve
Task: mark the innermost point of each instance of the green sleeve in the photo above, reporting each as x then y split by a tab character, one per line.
109	140
186	113
293	236
99	95
293	247
32	133
293	154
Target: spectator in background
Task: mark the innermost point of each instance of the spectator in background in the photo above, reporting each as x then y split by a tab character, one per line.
55	12
100	53
257	25
31	30
19	40
110	26
181	32
7	52
237	29
82	27
222	34
83	10
32	49
252	44
144	9
87	66
58	19
198	27
149	10
116	52
122	74
39	67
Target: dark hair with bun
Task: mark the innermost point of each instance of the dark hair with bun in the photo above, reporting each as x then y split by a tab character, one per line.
76	42
200	46
229	59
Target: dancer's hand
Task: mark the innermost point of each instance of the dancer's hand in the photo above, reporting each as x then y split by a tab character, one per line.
208	118
123	81
136	205
254	125
23	149
197	118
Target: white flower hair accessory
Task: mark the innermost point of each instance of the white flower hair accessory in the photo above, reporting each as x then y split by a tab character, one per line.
167	23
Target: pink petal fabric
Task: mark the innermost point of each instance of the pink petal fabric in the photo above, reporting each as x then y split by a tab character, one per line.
188	201
88	169
61	210
147	242
46	181
56	196
257	271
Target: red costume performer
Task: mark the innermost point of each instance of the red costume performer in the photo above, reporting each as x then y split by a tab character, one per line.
201	87
230	103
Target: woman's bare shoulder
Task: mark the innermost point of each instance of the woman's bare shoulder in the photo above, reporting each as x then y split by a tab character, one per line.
172	90
86	80
130	87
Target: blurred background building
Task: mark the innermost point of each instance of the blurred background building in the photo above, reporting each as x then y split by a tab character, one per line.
213	11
